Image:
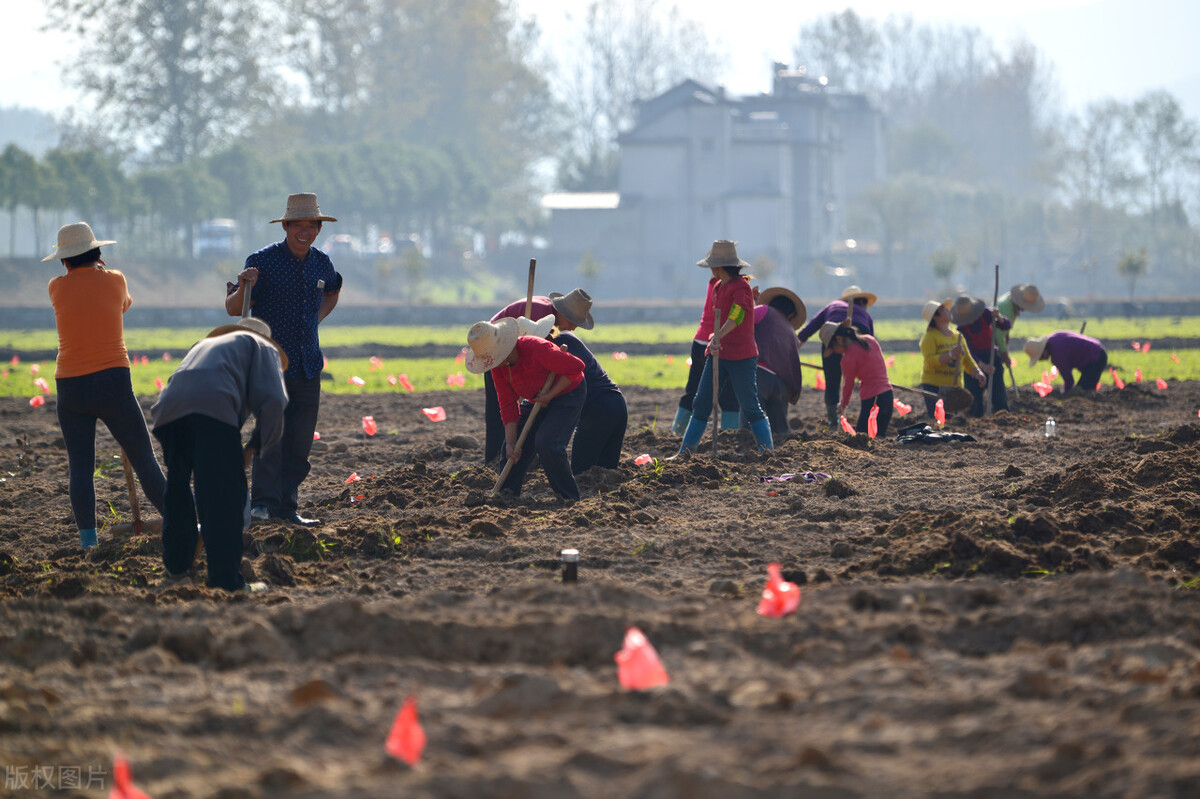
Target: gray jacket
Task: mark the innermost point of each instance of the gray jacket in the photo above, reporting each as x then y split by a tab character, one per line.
228	378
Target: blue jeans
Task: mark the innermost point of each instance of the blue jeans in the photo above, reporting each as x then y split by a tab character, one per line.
727	397
278	472
547	439
202	448
106	395
743	376
601	432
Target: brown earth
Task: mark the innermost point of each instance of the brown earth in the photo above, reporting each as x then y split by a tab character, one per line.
1006	618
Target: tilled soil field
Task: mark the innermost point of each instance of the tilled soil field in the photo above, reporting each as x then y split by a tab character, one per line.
1012	617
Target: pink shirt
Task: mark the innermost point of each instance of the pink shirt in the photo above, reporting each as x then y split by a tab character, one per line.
705	331
867	366
536	359
541	307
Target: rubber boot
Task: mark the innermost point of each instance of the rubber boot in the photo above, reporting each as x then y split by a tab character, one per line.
762	433
693	434
831	415
682	417
731	420
88	538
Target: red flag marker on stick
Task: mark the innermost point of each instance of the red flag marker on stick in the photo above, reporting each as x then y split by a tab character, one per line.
901	407
1162	384
939	412
123	787
435	414
779	597
849	428
1117	381
407	739
369	426
638	666
873	422
37	401
404	382
1137	375
820	382
355	380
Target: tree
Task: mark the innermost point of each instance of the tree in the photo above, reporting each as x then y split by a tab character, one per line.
1166	143
943	262
845	48
625	51
1131	266
177	76
19	170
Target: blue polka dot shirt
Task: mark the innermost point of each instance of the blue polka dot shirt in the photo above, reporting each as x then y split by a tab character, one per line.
286	297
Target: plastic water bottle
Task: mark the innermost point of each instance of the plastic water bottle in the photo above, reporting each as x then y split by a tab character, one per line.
1050	427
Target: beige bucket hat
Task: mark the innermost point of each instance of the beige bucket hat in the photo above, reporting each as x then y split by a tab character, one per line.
491	343
852	292
966	310
75	239
723	253
826	332
931	308
576	306
256	326
1027	297
800	315
1035	347
303	206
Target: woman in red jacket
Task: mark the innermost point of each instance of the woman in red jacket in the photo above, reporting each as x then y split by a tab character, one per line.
734	300
519	366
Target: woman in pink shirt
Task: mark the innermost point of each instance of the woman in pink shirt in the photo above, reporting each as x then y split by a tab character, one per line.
862	359
520	366
733	299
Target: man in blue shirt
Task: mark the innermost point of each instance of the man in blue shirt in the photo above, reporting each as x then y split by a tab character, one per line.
293	287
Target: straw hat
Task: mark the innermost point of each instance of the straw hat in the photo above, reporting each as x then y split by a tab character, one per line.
538	329
491	343
75	239
723	253
966	310
575	307
801	313
255	326
931	308
854	291
1034	347
1027	297
303	206
826	332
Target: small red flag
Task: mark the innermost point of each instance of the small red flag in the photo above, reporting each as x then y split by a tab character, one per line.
638	666
901	407
37	401
820	381
403	380
369	426
873	422
1117	381
123	787
1162	384
939	412
849	428
406	741
435	414
779	597
355	380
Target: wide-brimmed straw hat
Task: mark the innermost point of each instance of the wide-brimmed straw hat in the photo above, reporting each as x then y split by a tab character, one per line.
575	307
1034	347
852	292
491	343
723	253
965	310
539	329
256	326
1027	297
931	308
303	206
826	332
75	239
799	316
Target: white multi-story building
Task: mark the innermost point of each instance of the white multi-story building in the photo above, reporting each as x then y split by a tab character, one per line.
773	172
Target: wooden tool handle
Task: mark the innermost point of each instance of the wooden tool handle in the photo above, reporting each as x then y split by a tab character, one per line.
550	378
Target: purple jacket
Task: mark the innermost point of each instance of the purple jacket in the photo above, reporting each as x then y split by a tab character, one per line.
836	312
1069	351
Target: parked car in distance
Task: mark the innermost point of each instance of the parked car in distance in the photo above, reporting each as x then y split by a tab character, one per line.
215	237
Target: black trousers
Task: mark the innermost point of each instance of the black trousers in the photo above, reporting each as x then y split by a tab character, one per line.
1089	375
209	452
601	432
548	438
996	381
278	472
884	401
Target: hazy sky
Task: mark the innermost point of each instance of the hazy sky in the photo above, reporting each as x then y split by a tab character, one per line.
1098	48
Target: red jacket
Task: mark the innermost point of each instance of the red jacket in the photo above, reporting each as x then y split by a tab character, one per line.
736	299
536	358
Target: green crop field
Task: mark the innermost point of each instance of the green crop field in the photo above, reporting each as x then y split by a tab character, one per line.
654	371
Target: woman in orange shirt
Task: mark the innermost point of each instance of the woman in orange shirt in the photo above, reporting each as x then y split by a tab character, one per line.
92	373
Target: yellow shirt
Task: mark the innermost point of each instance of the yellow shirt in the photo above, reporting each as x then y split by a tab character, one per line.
89	302
935	373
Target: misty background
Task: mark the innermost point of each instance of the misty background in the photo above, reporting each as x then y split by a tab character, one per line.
435	133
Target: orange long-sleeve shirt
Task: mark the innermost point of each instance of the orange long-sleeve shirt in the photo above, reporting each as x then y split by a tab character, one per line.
89	302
